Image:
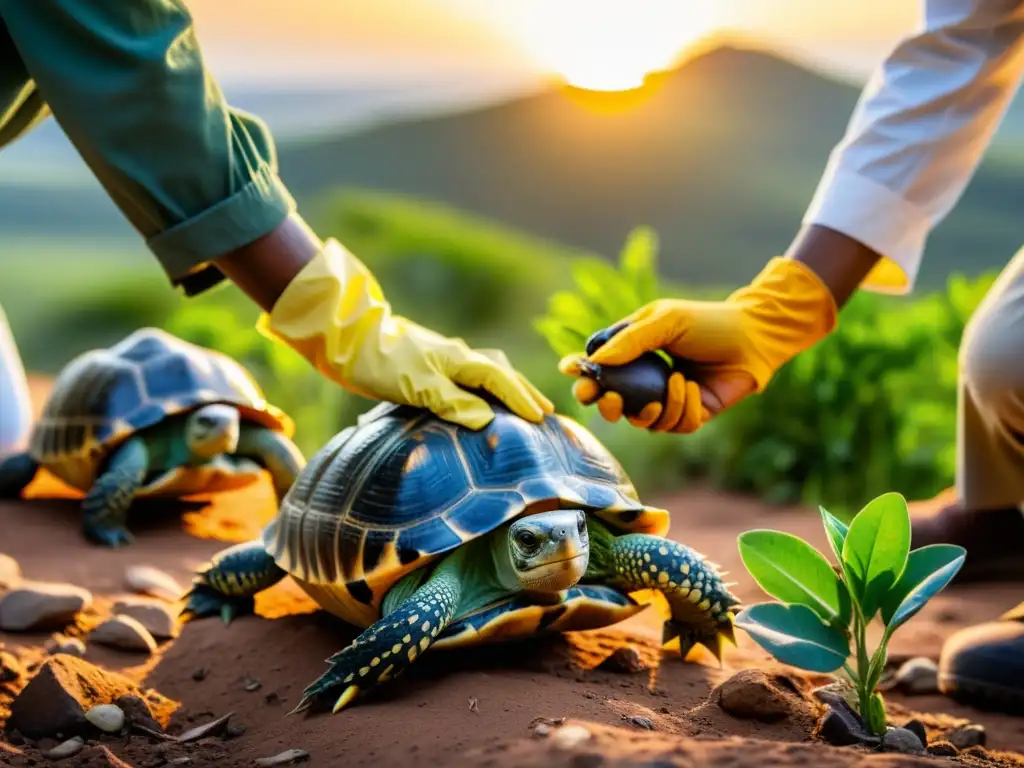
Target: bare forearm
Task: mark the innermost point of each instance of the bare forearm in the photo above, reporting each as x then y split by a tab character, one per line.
841	262
265	267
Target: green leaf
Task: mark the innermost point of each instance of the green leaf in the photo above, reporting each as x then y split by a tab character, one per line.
795	635
929	569
875	718
637	262
791	570
875	550
836	531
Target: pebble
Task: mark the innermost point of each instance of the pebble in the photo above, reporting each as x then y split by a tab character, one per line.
10	572
625	659
155	615
942	749
33	604
10	667
212	728
59	643
66	749
147	580
123	632
570	736
641	722
106	717
967	736
184	760
841	726
918	676
753	695
284	758
917	728
903	741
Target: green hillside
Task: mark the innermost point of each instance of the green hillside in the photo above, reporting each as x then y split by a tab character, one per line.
720	156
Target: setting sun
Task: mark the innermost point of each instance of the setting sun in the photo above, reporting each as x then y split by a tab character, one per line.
604	45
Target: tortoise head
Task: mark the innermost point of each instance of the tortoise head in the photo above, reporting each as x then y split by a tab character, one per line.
546	551
213	430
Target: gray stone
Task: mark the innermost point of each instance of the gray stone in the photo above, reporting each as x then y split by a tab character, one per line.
967	736
68	748
38	604
59	643
155	615
146	580
125	633
283	758
107	717
903	741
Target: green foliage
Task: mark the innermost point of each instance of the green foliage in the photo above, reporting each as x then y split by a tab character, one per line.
809	629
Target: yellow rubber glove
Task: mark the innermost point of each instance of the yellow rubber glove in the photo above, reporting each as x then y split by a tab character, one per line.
334	314
731	348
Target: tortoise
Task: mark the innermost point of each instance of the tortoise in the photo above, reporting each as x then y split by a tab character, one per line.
425	534
153	416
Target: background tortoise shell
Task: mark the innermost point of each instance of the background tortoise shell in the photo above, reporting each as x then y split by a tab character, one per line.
403	487
104	396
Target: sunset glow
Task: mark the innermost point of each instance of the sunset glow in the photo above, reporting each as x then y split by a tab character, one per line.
603	45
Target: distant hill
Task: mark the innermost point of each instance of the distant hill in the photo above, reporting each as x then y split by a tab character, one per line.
720	156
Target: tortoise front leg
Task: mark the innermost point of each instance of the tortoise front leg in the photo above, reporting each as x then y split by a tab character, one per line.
390	645
701	604
229	583
274	452
105	507
16	472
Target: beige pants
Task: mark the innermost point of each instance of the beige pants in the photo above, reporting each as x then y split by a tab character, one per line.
990	429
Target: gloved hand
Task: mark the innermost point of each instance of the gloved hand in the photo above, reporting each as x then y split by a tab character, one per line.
334	314
730	348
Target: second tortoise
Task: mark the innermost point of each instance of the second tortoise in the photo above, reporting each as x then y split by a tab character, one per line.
429	535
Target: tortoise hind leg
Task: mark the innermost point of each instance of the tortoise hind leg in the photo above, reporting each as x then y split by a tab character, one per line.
105	506
229	584
701	604
16	472
388	647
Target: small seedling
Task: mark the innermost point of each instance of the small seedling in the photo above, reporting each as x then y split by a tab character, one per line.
822	614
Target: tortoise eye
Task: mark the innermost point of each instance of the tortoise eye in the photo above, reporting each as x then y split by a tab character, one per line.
581	525
526	539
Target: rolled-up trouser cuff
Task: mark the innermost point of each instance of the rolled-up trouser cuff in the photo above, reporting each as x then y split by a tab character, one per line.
186	250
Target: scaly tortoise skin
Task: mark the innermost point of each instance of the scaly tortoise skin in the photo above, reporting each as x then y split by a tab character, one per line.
153	416
409	527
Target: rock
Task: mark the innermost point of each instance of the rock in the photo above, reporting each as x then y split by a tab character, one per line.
917	728
831	693
155	615
917	677
61	692
183	760
903	741
284	758
123	632
38	604
107	717
10	667
641	722
234	730
59	643
751	694
967	736
625	659
842	727
146	580
66	749
942	749
213	728
10	572
251	683
570	736
137	712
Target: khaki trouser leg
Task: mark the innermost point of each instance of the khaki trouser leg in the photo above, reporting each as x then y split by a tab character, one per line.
990	431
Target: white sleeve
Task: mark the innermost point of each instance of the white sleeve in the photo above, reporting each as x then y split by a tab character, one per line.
919	132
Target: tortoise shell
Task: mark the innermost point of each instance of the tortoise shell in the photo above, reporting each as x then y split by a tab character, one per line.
403	487
104	396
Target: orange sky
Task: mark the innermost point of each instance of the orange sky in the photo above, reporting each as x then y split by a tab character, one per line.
332	38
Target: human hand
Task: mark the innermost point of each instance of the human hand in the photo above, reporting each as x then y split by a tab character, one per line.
334	314
722	351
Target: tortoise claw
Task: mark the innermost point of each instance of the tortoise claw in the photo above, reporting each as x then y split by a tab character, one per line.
346	697
202	601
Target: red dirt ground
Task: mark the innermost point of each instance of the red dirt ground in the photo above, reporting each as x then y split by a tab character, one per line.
476	709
